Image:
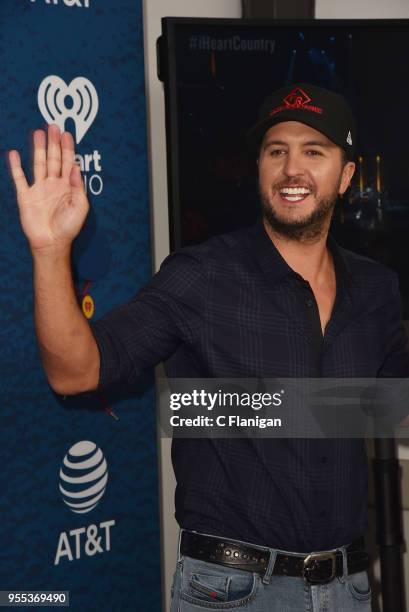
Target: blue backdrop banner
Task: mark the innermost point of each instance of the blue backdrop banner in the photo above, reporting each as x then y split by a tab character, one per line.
79	503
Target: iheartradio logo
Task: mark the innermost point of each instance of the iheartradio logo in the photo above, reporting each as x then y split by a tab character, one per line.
58	102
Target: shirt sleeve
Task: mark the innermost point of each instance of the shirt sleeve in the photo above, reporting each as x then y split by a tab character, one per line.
396	362
157	320
395	393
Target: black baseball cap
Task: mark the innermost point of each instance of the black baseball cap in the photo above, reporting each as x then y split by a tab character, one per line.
322	109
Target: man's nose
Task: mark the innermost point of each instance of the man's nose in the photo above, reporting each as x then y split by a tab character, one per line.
293	165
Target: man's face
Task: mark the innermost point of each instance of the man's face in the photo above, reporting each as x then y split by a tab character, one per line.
301	173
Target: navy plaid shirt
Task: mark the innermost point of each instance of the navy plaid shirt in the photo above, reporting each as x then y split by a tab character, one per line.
231	308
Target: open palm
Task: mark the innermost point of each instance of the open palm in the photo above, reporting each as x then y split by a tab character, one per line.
53	209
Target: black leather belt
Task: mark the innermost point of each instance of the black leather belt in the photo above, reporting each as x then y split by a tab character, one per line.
315	568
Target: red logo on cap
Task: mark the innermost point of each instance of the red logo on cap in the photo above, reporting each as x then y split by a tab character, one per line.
297	99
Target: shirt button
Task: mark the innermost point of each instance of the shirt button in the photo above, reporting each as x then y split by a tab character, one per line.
309	302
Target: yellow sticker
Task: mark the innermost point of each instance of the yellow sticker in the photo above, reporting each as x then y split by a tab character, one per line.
88	306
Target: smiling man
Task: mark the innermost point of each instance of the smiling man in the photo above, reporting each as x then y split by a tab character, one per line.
305	163
301	174
266	524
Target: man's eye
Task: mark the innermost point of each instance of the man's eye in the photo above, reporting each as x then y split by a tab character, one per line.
276	152
313	152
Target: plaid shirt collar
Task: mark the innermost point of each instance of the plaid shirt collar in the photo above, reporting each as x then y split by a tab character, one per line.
276	268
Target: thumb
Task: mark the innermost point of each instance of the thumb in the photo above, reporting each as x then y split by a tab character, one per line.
76	182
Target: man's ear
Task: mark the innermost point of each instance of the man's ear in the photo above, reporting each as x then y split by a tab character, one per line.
347	174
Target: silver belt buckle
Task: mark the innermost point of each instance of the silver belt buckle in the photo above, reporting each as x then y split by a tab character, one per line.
310	564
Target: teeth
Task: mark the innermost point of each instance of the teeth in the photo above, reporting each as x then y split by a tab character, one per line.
295	190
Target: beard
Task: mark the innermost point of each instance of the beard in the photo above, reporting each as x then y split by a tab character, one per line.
305	229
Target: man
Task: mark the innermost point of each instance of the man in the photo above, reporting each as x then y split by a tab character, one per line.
266	524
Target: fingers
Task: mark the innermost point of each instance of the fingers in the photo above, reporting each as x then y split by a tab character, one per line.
17	173
57	158
54	151
68	154
40	156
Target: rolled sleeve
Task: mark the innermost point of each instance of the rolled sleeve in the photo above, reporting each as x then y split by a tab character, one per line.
147	330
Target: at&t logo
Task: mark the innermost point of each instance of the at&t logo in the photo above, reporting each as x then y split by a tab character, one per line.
78	101
83	479
91	540
80	3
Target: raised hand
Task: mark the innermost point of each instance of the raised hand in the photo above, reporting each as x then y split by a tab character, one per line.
53	209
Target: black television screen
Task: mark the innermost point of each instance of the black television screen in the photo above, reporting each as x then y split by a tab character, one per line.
216	74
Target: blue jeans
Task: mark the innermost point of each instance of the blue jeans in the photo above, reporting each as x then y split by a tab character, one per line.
199	585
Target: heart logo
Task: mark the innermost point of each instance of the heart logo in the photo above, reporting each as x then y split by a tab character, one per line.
58	101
